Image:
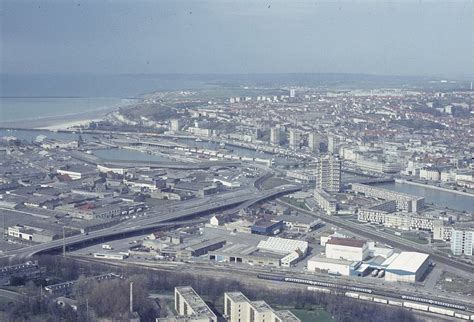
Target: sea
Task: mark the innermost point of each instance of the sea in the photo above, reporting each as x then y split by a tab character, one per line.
33	97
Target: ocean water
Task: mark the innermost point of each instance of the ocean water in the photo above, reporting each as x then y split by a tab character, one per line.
29	97
29	108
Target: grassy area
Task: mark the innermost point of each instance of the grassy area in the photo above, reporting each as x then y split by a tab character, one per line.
416	239
457	284
319	315
295	203
273	182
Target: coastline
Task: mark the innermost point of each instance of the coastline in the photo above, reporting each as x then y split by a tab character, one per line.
434	187
62	122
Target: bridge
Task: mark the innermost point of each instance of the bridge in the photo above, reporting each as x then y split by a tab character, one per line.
168	216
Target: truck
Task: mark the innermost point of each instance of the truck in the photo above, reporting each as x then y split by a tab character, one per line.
107	247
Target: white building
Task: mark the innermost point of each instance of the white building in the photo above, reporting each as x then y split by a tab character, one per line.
347	248
275	136
333	266
189	305
462	241
325	201
238	308
294	139
404	201
328	173
283	245
314	141
430	173
407	267
175	125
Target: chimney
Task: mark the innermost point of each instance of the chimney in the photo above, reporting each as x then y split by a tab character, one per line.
131	297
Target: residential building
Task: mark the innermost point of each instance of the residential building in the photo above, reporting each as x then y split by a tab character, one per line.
328	173
238	308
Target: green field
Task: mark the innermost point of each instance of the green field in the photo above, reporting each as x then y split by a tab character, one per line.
316	315
295	203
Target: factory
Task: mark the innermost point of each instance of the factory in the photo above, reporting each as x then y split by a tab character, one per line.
353	257
274	252
407	267
347	248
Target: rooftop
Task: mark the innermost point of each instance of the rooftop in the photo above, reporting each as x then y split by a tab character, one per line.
197	304
349	242
408	261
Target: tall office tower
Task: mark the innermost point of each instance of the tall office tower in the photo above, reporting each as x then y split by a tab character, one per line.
175	125
462	241
328	173
313	142
294	139
275	136
292	93
333	144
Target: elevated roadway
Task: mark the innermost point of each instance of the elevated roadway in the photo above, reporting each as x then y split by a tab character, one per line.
158	218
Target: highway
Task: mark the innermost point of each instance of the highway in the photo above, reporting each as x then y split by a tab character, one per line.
386	238
162	217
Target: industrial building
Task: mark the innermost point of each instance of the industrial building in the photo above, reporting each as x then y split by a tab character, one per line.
273	252
268	228
333	266
201	248
191	307
347	248
238	308
407	267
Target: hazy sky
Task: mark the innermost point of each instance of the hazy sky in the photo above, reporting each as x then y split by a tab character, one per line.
398	37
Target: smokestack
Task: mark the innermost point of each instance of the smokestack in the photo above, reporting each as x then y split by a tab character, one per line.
131	297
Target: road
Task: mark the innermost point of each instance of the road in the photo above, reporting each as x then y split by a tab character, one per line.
165	216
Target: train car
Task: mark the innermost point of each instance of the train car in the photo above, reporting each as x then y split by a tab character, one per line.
396	303
352	295
360	289
440	310
378	300
461	316
318	289
365	297
271	277
434	302
415	306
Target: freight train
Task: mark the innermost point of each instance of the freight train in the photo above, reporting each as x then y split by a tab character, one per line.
365	294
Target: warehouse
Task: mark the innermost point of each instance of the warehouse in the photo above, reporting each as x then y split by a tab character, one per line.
407	267
333	266
347	248
283	245
267	227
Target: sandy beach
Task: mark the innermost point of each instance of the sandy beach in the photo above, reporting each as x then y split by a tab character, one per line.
59	122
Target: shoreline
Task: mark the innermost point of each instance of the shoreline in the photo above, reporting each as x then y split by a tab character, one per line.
434	187
62	122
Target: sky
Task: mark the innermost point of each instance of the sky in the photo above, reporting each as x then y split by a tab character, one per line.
403	37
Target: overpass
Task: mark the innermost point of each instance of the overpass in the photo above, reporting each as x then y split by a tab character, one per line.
168	216
92	159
